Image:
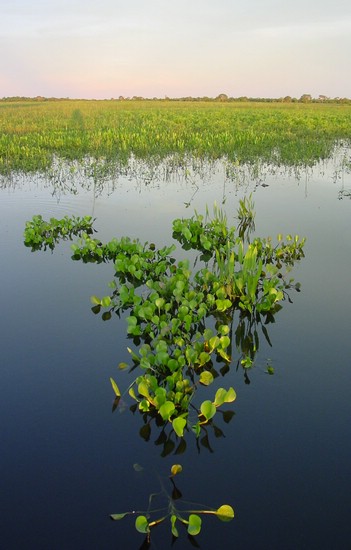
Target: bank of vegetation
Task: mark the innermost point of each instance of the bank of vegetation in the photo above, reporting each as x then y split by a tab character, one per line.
33	133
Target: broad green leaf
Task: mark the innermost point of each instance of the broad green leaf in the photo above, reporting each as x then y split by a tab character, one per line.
95	300
208	334
231	396
224	355
223	305
220	397
166	410
203	358
142	524
159	302
115	387
208	409
194	526
143	389
187	233
132	321
206	378
106	301
179	425
224	330
213	342
225	512
225	341
144	405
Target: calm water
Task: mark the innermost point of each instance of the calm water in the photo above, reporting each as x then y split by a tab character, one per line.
66	461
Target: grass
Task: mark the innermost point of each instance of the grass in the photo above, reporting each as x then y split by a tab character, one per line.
32	134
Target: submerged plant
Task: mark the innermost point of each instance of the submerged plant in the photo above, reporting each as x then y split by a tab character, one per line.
174	512
182	320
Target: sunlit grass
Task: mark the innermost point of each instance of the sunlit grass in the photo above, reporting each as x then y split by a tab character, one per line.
33	133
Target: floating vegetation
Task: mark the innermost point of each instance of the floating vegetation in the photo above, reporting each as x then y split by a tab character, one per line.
148	519
181	320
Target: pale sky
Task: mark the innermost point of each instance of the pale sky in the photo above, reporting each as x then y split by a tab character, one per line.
107	48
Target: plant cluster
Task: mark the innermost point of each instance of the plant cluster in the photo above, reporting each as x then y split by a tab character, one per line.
40	234
182	320
191	519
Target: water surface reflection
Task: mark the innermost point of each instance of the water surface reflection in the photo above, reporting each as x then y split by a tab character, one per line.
282	460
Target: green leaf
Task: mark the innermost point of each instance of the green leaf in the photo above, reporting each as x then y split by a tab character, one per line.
143	389
225	512
144	405
194	526
166	410
225	341
142	524
220	397
106	301
174	529
206	378
116	517
95	300
208	409
231	396
214	342
224	330
179	425
132	394
223	305
115	387
203	358
196	429
159	302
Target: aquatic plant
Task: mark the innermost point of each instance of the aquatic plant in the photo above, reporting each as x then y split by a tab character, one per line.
182	320
148	519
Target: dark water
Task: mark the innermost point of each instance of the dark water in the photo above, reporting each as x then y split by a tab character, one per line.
66	461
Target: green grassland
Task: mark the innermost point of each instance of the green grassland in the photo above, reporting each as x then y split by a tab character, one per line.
33	133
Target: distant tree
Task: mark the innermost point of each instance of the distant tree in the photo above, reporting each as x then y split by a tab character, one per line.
222	97
305	98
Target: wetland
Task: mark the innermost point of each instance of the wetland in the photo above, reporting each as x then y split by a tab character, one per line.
226	391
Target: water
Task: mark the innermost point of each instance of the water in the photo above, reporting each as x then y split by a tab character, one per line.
66	461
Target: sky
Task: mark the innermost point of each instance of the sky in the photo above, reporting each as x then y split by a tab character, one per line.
104	49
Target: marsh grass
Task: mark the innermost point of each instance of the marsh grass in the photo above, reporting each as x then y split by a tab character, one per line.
33	134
